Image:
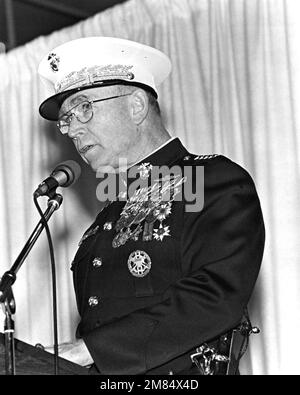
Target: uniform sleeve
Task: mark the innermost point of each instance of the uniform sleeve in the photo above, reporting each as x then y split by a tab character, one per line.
222	249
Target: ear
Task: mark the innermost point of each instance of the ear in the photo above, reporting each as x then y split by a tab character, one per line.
139	106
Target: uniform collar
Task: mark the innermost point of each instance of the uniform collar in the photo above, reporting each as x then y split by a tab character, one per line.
166	154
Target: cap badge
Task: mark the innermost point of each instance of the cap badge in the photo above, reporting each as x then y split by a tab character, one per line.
54	60
139	263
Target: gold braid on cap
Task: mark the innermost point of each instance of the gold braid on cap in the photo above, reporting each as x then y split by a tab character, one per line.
91	75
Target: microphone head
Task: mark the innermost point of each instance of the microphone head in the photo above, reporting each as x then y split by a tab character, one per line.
71	169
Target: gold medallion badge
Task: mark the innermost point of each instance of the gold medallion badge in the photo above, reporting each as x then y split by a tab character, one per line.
139	263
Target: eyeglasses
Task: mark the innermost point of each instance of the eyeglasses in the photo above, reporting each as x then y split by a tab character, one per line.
83	112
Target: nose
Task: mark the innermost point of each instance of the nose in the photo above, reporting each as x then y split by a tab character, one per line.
75	128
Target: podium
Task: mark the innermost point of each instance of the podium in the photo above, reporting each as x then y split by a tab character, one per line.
32	360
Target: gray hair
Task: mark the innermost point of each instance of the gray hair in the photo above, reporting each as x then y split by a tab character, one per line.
153	103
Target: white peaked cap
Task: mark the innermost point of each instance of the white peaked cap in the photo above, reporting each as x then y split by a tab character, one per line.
99	61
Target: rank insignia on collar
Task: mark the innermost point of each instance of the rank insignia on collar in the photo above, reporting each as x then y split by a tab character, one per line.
205	157
145	169
163	211
88	234
139	263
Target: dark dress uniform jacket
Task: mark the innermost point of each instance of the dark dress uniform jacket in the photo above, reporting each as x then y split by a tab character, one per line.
201	278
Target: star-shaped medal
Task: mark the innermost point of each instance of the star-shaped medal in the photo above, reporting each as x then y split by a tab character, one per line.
163	211
161	232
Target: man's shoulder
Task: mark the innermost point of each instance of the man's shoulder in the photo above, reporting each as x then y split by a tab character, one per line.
216	166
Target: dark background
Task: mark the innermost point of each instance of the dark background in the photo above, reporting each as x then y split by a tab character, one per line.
23	20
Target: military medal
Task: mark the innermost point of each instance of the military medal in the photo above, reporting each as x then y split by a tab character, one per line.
139	263
121	238
161	232
136	232
163	211
147	205
140	216
147	233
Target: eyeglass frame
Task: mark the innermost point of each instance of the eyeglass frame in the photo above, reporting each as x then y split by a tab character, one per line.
72	114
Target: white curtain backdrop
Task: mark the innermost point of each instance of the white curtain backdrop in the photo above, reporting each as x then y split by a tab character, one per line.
234	90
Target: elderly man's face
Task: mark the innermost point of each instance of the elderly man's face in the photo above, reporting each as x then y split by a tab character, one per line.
109	135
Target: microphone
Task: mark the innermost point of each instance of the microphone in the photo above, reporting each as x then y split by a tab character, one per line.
64	175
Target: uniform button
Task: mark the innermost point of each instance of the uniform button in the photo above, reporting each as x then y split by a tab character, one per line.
93	301
107	226
97	262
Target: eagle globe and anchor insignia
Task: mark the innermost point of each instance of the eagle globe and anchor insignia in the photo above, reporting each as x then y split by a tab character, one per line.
139	263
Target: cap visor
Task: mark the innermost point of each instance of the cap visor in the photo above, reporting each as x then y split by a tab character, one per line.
49	109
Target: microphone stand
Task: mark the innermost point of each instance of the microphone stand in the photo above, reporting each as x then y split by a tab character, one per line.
9	308
9	277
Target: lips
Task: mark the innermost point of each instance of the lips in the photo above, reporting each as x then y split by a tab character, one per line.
85	149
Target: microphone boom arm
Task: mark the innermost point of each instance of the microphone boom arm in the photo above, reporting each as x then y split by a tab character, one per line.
9	277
